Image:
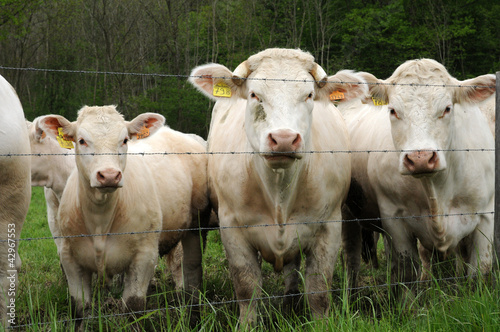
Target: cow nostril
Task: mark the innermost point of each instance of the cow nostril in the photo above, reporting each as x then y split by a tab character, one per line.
409	161
296	141
100	176
433	160
272	141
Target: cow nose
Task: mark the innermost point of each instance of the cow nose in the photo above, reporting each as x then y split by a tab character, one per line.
422	161
109	177
284	140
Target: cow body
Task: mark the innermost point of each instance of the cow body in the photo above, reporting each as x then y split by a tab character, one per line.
15	193
275	183
103	196
428	187
52	165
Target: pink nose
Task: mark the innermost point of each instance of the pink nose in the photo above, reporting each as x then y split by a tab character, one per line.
109	177
423	161
284	140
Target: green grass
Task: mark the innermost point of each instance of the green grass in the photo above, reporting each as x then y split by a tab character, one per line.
43	299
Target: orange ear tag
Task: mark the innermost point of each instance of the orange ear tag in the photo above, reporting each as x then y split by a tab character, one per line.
143	133
221	89
64	140
378	102
337	95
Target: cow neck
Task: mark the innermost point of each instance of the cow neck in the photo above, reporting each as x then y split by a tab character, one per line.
99	208
436	195
280	186
98	214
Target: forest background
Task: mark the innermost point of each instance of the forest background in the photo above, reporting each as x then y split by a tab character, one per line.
86	43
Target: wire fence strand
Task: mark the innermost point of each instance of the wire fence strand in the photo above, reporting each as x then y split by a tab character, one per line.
219	228
285	80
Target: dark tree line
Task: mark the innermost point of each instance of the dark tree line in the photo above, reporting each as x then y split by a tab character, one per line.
171	37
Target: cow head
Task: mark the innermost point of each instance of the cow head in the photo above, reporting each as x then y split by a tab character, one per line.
50	164
281	87
101	136
422	96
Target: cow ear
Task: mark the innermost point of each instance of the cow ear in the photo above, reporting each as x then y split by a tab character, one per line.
34	128
217	82
345	85
145	124
475	90
377	89
50	124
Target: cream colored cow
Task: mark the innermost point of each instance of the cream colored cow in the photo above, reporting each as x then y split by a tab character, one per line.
52	164
15	195
438	187
271	114
109	192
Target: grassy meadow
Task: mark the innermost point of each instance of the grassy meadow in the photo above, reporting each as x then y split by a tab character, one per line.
43	300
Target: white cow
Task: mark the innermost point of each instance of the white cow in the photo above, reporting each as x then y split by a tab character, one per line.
52	164
15	195
274	116
431	189
92	204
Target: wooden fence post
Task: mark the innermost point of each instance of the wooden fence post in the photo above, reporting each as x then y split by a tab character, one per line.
496	239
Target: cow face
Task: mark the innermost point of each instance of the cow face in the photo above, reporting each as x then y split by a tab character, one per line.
422	97
101	138
281	88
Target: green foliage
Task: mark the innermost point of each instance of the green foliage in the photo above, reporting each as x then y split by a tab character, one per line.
168	37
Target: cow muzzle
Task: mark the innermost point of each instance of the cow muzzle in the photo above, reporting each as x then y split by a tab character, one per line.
109	178
421	162
283	146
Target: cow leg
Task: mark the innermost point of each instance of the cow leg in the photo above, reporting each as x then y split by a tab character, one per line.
137	278
245	273
173	261
192	272
320	265
292	299
480	252
404	260
351	242
79	286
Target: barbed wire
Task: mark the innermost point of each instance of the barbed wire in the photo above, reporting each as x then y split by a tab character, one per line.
222	303
165	153
96	72
202	229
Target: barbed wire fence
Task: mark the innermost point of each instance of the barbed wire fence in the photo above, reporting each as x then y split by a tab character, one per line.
212	153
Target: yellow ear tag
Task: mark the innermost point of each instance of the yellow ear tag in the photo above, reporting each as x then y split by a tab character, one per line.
64	140
143	133
337	95
378	102
221	89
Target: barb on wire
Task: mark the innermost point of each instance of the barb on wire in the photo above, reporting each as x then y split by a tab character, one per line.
222	303
96	72
199	229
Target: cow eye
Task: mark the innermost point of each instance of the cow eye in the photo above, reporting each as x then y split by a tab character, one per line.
125	141
446	111
393	113
81	141
309	96
254	96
